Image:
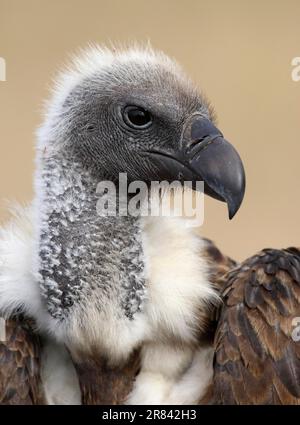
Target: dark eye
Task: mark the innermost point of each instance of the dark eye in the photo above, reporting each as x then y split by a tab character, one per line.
137	117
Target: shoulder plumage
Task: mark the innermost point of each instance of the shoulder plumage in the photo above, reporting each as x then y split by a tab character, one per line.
256	358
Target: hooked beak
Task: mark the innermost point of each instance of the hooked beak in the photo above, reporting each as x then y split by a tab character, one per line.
205	155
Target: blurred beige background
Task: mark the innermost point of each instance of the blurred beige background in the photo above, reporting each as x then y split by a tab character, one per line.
239	52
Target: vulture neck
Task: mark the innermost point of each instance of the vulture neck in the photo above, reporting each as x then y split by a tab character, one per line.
81	252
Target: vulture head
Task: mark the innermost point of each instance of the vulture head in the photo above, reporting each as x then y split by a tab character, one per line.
136	112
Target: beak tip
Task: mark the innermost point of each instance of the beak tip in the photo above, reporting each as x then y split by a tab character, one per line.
231	214
234	204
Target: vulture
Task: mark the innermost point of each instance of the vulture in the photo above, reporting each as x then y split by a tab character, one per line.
138	308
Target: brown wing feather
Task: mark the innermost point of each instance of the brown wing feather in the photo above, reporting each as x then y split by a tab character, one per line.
219	264
256	360
19	365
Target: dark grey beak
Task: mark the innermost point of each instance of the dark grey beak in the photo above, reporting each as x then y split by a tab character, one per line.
205	155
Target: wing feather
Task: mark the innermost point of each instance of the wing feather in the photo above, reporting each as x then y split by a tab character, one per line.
20	365
256	360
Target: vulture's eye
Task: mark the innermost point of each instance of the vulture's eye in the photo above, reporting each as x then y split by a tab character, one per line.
137	117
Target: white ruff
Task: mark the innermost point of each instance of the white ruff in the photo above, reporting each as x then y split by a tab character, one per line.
59	377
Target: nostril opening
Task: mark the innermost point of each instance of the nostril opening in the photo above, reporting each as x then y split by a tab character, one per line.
194	143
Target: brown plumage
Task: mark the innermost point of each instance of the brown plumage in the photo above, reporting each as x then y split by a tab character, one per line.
219	263
256	360
20	365
102	384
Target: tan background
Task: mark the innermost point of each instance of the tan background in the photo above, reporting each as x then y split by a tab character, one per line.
240	52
